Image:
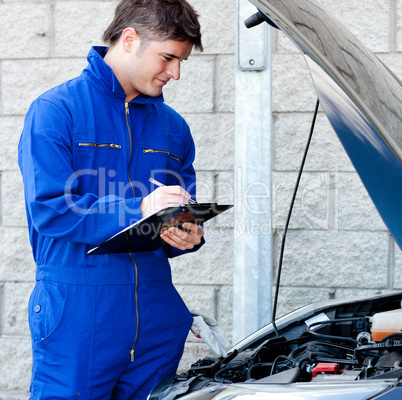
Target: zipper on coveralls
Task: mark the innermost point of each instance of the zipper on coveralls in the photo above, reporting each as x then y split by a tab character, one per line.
161	151
113	145
128	243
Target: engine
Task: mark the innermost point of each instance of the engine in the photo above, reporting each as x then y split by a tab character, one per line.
351	342
305	359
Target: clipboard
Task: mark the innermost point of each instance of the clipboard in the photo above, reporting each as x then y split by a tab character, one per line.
144	235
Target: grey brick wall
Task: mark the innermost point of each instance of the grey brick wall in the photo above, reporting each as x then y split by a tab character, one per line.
338	247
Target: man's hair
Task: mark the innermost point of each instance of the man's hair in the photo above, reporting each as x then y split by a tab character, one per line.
156	20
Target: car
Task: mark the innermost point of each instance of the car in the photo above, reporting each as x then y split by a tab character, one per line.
335	349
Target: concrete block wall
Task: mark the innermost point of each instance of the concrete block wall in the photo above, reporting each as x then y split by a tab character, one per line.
337	246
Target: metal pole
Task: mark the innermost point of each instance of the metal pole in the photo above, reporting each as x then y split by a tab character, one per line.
252	273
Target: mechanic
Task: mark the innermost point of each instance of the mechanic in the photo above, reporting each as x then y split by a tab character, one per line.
110	326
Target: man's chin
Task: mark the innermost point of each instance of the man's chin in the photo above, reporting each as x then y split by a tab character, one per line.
154	92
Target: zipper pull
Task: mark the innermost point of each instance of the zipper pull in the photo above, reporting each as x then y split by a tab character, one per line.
132	355
127	110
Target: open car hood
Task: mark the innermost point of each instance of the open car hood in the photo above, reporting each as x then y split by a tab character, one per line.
360	96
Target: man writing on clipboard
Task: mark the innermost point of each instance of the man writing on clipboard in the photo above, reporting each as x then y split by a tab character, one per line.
110	326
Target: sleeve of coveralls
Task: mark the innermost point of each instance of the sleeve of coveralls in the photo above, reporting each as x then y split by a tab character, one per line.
189	183
45	159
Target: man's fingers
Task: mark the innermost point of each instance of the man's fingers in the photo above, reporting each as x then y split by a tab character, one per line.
176	237
162	197
194	228
173	194
170	238
189	235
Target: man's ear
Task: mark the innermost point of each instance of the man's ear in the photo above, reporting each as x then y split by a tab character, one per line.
129	38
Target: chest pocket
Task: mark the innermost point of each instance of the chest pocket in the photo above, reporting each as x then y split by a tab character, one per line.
96	154
95	149
163	156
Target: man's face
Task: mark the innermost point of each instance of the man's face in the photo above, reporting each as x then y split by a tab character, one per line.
150	67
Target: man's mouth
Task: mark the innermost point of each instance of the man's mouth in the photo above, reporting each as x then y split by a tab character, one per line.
162	81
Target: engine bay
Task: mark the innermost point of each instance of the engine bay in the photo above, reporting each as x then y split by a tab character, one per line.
331	344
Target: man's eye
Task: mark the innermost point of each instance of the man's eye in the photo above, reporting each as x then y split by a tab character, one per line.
167	58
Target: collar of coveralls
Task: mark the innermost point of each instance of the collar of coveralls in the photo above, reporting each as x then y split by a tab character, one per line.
106	81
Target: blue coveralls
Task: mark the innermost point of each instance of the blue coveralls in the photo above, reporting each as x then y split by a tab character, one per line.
106	326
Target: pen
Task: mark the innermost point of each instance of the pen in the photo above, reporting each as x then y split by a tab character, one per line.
191	201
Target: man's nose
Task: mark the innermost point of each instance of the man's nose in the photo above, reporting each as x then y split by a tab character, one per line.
174	70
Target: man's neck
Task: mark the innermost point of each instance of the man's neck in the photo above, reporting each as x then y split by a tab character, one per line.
114	59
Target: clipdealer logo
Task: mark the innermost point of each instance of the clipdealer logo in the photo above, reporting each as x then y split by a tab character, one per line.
111	195
317	200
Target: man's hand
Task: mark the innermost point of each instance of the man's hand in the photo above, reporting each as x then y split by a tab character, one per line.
172	196
162	197
183	240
